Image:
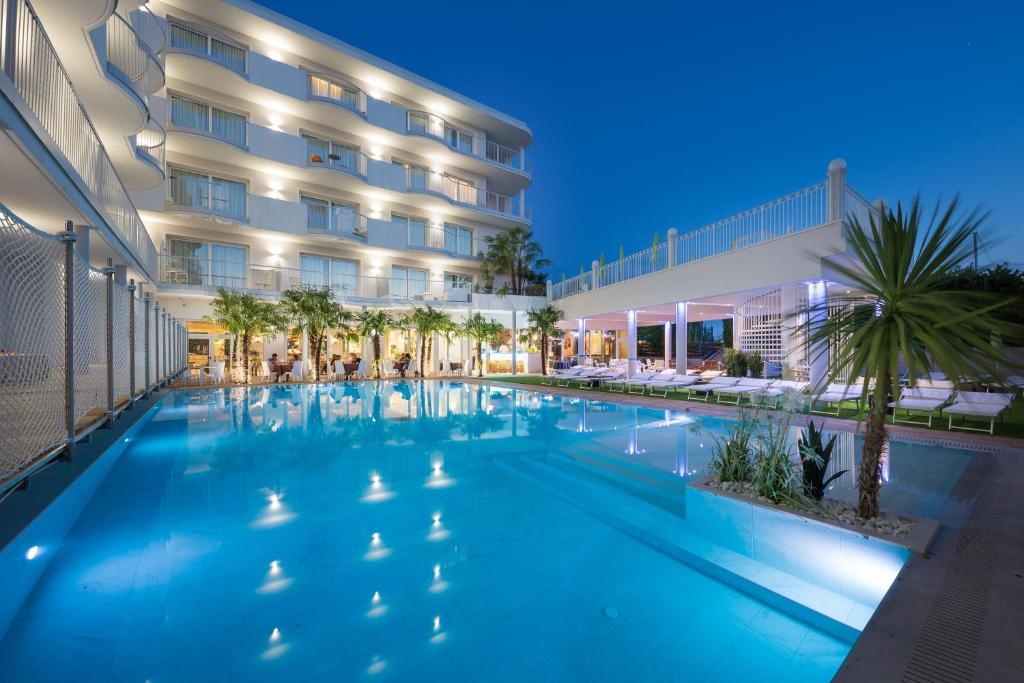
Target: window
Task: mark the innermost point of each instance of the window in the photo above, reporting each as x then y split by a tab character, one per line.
196	115
334	154
333	217
194	39
416	228
204	263
460	190
417	178
408	283
344	94
458	139
419	122
458	240
341	275
457	281
209	193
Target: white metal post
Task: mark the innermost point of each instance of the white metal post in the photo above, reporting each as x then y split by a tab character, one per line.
817	297
581	340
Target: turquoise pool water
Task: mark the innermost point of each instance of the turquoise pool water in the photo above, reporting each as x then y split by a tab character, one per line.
441	531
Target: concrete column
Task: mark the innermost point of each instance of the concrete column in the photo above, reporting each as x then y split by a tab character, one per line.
581	339
673	238
668	344
836	190
595	274
631	363
306	357
789	330
681	336
121	275
817	298
515	343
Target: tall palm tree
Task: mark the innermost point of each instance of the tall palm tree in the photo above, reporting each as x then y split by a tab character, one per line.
480	329
314	310
543	323
225	307
514	253
375	323
256	318
427	320
901	266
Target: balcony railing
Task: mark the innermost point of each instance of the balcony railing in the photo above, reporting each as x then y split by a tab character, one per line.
462	192
210	196
336	91
433	126
338	158
149	29
208	275
29	60
150	144
190	39
131	58
323	220
506	156
444	240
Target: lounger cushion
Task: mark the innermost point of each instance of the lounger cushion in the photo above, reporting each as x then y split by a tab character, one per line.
918	404
979	409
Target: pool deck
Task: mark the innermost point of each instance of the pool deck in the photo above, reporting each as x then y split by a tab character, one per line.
953	614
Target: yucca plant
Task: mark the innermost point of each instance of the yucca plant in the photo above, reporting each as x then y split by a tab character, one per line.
730	454
775	474
815	456
900	264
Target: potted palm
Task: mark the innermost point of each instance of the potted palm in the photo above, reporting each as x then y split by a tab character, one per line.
374	323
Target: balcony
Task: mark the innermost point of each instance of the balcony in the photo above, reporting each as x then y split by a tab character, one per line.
131	61
204	275
337	157
207	194
149	29
340	221
150	146
201	42
36	73
336	91
459	191
506	156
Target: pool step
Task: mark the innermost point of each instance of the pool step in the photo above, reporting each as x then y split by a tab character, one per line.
664	530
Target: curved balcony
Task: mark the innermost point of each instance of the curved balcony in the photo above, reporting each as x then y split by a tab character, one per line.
149	29
150	146
131	61
336	157
458	191
336	91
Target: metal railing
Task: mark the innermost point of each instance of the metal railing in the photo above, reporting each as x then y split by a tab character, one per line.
209	274
506	156
188	191
71	343
433	126
336	91
132	58
462	192
339	158
186	38
30	62
326	220
439	239
150	144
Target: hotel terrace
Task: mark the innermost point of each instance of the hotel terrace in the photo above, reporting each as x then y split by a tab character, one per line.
159	521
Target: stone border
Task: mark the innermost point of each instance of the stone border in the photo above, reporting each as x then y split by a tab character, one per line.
917	541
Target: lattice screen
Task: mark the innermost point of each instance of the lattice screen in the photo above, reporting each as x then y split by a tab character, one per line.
140	347
151	321
121	302
90	326
761	325
32	286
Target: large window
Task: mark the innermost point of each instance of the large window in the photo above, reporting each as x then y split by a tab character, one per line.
195	39
458	240
458	139
417	178
334	154
408	283
210	193
416	228
459	189
333	217
457	281
207	264
341	275
345	94
196	115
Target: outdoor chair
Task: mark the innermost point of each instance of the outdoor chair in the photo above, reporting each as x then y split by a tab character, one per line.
619	384
712	385
214	373
744	386
778	390
920	400
296	373
671	383
639	382
837	394
979	405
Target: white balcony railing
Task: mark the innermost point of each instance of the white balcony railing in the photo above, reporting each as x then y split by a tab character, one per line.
320	153
150	144
149	28
462	192
184	37
336	221
506	156
208	275
131	59
30	62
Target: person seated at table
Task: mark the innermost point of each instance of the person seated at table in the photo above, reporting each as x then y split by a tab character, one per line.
351	365
274	365
403	364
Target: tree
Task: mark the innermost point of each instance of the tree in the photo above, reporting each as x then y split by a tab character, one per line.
543	323
480	329
514	253
903	268
375	323
313	310
428	320
245	316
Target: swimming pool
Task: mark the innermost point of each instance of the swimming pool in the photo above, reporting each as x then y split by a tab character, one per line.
443	531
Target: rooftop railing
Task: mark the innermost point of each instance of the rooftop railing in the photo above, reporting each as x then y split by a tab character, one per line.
802	210
30	62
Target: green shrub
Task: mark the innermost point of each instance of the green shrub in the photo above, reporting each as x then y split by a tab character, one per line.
775	475
735	363
815	456
730	455
755	364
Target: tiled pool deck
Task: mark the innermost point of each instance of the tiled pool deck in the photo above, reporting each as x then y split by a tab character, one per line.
951	615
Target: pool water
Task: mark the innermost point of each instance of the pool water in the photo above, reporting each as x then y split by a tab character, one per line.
443	531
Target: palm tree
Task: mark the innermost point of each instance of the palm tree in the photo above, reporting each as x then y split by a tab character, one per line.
375	323
901	267
245	316
543	323
226	314
426	321
479	328
313	310
514	253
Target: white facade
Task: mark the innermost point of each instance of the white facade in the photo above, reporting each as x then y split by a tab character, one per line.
207	143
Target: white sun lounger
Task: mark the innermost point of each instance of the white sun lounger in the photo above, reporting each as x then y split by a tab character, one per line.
566	378
619	384
673	383
637	382
837	394
980	405
587	380
779	389
744	386
713	384
921	400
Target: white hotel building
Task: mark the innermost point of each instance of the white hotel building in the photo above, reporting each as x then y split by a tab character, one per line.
207	143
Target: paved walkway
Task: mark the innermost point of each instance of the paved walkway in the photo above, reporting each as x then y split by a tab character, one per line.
957	613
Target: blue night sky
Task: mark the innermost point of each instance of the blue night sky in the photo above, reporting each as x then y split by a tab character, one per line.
683	113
